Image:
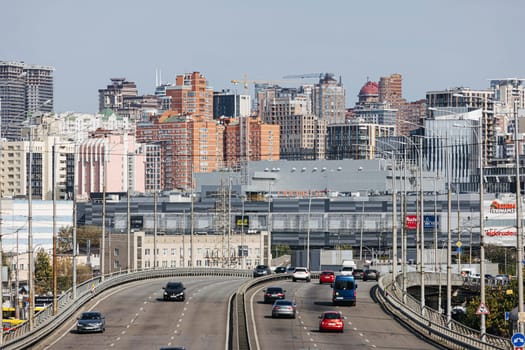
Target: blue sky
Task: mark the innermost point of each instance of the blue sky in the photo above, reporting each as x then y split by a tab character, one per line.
435	45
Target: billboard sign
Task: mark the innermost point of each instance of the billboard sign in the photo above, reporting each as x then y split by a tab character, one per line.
411	222
429	221
242	221
500	221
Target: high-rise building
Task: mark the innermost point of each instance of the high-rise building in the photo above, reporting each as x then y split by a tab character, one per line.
302	133
188	145
355	139
328	99
24	90
391	90
122	97
191	95
262	142
459	100
229	104
110	161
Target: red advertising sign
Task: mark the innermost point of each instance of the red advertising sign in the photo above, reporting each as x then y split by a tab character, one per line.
411	222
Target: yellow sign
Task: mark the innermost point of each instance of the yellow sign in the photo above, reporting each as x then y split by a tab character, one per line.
458	244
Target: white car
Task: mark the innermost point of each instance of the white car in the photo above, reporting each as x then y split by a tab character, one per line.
301	273
347	270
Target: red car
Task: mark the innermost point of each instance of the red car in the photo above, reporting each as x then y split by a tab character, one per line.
327	277
332	321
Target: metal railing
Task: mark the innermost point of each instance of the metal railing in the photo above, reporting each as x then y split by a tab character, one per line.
433	324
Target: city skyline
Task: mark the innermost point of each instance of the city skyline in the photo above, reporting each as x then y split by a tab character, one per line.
434	46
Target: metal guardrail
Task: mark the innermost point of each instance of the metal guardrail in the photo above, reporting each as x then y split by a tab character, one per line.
45	322
433	324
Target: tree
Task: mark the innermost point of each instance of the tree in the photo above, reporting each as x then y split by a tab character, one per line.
281	249
498	300
43	273
84	234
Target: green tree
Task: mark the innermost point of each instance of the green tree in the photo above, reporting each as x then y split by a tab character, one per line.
505	257
498	300
84	234
282	249
43	273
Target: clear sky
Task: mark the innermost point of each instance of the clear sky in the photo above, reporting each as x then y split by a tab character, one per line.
435	45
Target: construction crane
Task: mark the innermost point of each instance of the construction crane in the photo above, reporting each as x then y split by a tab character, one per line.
245	82
304	76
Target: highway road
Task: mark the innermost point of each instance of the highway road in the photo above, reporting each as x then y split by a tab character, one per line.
366	325
138	318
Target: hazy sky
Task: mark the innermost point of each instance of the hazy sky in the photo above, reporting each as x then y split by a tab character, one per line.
435	45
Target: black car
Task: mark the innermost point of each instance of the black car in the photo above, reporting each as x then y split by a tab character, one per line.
174	291
261	270
272	294
280	269
91	321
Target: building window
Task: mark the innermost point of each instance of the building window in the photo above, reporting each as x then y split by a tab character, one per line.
164	264
173	251
173	263
147	264
165	251
198	263
116	252
147	252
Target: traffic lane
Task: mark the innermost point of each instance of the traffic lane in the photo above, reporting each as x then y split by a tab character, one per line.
138	318
368	320
274	333
204	321
366	325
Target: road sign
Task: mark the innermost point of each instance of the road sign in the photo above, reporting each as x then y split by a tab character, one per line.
459	250
507	315
458	244
482	309
518	339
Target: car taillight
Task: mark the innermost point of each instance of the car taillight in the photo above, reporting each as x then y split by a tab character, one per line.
355	293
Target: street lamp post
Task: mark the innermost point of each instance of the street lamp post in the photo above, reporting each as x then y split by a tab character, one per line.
31	262
519	229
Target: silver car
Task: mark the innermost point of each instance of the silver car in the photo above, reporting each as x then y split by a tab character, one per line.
91	321
284	308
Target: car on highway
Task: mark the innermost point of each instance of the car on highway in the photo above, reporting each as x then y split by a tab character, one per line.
327	276
174	291
284	308
271	294
91	321
344	290
301	273
280	269
347	270
261	270
290	269
331	321
370	274
358	274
